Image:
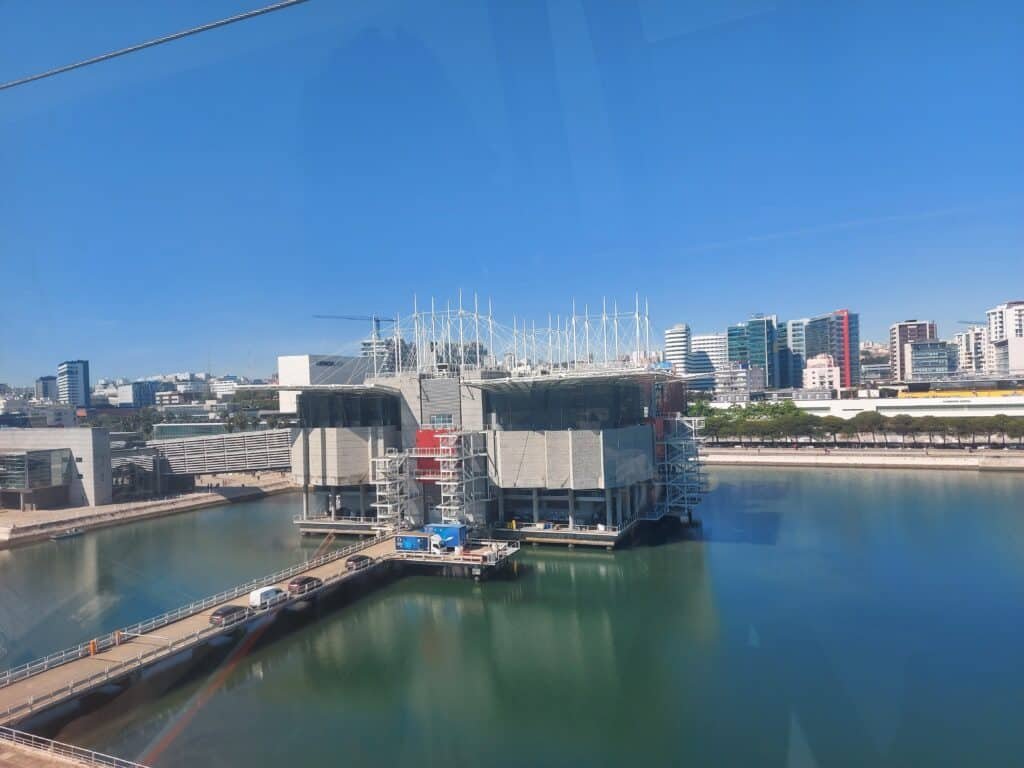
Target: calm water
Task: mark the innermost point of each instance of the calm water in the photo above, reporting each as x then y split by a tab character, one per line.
827	617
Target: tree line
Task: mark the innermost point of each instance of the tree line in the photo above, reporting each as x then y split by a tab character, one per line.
784	423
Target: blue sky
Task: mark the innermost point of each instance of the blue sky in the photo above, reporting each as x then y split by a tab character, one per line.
191	206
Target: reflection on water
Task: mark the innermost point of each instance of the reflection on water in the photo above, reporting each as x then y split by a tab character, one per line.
826	617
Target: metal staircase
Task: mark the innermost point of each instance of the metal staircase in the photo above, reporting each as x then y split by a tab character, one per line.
392	481
462	476
681	470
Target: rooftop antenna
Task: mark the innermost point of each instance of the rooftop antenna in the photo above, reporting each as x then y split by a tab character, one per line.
575	356
604	328
615	320
490	333
586	332
476	322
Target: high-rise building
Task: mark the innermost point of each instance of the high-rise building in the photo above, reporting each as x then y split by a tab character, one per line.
737	343
901	334
762	347
928	359
1004	352
709	352
971	346
792	347
73	383
838	334
677	347
46	388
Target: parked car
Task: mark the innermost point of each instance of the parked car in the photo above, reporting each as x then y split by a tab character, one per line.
357	562
228	614
302	584
264	597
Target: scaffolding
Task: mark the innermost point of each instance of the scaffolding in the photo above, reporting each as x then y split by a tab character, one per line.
681	469
394	489
462	476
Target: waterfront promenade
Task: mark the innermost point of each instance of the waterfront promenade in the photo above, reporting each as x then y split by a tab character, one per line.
25	527
869	458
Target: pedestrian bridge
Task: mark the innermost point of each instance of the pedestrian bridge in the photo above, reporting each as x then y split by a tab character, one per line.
268	449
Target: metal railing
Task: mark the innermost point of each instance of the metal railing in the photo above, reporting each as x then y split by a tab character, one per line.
336	519
113	638
82	755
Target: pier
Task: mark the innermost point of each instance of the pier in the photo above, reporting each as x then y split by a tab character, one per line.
69	674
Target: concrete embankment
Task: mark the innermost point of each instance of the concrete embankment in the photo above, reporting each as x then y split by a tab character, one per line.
25	527
902	458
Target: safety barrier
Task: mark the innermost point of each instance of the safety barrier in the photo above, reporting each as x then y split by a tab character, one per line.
107	641
80	754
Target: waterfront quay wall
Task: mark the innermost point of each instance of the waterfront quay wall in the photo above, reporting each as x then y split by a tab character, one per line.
894	458
18	528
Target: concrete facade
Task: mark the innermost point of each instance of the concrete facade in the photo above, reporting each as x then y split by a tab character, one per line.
91	483
340	456
571	459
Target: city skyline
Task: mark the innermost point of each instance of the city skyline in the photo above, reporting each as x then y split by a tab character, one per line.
722	163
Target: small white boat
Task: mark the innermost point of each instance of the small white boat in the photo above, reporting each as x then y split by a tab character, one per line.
68	534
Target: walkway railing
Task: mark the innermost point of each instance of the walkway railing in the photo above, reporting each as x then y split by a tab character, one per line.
100	644
82	755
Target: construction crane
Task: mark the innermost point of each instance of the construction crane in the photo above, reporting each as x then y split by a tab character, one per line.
375	336
972	322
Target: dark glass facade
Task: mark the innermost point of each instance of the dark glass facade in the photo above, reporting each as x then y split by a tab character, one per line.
837	334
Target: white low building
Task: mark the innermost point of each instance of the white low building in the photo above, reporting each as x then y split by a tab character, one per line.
821	372
314	370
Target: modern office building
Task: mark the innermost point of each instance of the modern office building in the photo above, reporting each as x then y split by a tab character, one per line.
762	347
792	345
677	348
1005	323
821	372
971	346
739	383
709	352
875	373
928	359
901	334
46	388
73	383
737	343
837	334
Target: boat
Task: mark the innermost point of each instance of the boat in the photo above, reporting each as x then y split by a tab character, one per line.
68	534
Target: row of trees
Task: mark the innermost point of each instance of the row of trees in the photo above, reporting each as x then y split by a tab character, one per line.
783	422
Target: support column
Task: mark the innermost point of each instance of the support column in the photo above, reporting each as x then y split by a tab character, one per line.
362	500
305	473
501	505
629	502
536	505
618	508
572	507
608	507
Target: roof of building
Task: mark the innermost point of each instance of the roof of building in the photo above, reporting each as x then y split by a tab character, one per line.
570	379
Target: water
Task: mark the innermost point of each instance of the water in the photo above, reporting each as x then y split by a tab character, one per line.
827	617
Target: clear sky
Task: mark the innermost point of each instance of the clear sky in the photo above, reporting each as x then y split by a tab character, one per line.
191	206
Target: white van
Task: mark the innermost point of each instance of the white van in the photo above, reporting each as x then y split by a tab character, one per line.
264	597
